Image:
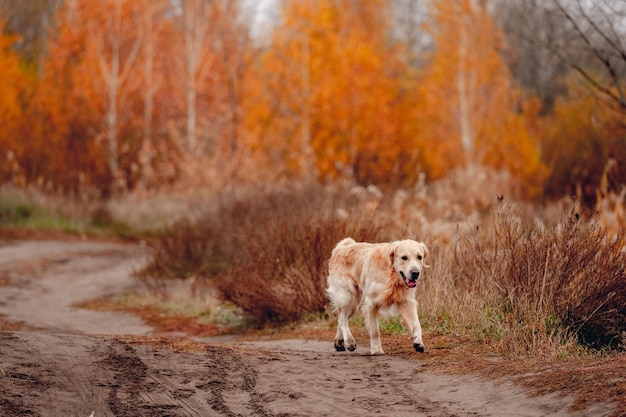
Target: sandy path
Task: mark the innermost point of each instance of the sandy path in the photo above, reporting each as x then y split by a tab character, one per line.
72	365
47	278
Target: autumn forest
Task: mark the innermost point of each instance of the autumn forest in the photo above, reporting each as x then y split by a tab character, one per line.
105	97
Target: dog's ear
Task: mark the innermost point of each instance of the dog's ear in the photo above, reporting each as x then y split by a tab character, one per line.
392	253
426	253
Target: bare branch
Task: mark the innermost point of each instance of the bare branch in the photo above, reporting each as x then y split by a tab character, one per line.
606	62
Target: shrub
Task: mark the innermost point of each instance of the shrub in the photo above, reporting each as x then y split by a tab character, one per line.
266	251
568	278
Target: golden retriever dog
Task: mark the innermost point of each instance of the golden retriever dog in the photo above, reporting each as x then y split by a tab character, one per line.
380	276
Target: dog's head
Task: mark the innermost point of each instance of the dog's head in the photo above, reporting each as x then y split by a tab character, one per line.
408	260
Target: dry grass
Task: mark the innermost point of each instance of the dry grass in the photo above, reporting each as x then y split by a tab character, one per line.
11	326
181	308
177	345
265	251
165	320
532	289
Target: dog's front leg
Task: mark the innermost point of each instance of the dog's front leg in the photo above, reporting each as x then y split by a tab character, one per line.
408	311
376	347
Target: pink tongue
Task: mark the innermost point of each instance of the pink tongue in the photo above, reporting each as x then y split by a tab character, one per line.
411	284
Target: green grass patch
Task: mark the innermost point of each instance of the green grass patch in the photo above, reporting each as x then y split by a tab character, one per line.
32	211
392	325
180	314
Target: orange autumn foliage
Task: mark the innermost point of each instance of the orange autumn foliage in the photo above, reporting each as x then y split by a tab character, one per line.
112	108
331	96
472	111
137	94
70	108
584	141
337	96
13	90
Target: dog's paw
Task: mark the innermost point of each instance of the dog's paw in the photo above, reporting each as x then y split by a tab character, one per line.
377	351
419	347
351	344
339	346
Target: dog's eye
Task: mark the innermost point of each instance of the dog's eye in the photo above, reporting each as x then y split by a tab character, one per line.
405	258
419	257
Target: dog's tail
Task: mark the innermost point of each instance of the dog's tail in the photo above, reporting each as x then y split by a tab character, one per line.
346	241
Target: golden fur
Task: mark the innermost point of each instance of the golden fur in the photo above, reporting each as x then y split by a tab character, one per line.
381	277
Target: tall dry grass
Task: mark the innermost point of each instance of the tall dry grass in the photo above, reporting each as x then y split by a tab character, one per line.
523	278
530	288
266	251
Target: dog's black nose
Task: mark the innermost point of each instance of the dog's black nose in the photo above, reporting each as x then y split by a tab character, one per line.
415	275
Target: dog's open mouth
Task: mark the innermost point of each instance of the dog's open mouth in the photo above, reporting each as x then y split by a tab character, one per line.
409	282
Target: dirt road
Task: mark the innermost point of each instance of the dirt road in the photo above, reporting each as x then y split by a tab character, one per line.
65	361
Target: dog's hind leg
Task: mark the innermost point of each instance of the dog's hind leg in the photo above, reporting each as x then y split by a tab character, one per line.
344	298
339	344
344	339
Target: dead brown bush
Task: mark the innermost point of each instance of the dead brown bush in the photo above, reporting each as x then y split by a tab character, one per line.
266	251
566	279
